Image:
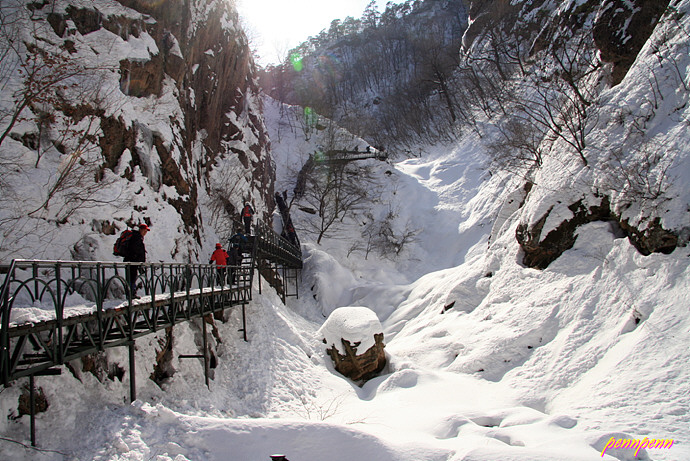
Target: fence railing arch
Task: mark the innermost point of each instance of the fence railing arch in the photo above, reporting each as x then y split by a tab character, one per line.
88	306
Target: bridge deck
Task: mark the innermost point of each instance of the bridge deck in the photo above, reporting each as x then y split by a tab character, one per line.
343	156
67	332
105	315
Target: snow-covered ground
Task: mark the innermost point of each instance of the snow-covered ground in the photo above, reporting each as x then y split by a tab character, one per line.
524	365
488	359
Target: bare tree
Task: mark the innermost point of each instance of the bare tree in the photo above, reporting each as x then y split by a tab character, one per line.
335	192
641	175
520	146
44	74
44	81
222	196
559	100
387	238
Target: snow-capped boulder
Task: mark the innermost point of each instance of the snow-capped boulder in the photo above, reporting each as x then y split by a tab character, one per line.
349	330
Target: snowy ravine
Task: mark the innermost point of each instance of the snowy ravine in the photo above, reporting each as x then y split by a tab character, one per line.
488	359
525	365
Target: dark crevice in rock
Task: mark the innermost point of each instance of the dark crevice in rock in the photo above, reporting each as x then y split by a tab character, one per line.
654	239
40	401
539	253
98	365
142	79
163	368
116	138
85	20
623	28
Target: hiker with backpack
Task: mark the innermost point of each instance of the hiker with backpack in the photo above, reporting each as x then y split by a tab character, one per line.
247	213
131	246
234	260
240	240
220	257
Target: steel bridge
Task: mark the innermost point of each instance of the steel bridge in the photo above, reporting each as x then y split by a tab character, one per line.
87	306
336	156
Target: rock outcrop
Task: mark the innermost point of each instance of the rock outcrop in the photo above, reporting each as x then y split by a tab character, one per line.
346	332
167	90
359	367
623	28
541	250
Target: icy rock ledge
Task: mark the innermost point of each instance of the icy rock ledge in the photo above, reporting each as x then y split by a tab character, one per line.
349	329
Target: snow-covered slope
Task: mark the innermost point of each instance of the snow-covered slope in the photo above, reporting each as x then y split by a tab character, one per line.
117	113
488	359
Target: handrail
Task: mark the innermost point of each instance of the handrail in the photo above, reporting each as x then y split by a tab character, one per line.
105	314
62	278
5	319
344	155
272	246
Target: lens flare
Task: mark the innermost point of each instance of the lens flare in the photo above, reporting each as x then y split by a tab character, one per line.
310	117
296	60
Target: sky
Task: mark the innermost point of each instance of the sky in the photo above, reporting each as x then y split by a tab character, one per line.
276	26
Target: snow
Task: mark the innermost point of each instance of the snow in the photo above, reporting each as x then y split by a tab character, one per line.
356	324
488	359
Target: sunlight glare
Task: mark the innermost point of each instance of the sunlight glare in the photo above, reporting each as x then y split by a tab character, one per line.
277	26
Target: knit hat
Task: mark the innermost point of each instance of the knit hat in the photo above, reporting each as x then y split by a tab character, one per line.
218	245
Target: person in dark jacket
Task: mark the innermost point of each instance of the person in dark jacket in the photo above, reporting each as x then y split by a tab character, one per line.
240	240
136	253
234	260
220	257
247	213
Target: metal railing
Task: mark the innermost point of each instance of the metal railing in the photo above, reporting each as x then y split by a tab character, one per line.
73	308
52	312
271	246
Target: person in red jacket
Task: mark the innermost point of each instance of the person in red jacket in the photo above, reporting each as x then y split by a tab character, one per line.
220	257
247	213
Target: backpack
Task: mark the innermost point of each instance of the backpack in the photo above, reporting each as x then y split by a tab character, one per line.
121	244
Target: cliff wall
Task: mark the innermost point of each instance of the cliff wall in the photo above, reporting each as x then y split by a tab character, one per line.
151	115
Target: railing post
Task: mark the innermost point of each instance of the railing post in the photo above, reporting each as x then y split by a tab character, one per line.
205	343
188	273
173	287
244	323
152	289
59	312
100	294
32	409
5	334
132	373
34	274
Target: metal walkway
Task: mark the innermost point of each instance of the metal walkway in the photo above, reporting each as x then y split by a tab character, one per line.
86	307
343	156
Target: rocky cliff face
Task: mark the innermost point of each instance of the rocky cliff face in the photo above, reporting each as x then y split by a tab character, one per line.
595	58
163	98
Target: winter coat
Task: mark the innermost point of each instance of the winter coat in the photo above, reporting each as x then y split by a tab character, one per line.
247	211
220	257
136	250
235	258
